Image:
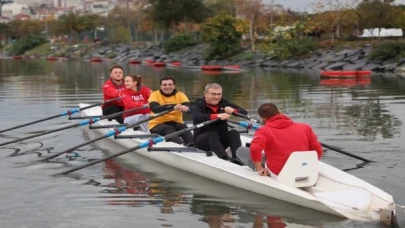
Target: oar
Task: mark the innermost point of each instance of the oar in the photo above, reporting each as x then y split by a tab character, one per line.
247	117
244	124
108	134
344	152
69	112
145	144
82	123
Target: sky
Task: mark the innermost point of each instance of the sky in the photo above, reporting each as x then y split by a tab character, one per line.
304	5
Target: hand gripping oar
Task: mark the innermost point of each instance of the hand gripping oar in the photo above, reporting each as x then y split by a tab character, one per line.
145	144
244	124
69	112
108	134
247	117
82	123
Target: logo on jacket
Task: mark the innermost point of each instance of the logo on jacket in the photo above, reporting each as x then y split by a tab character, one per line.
137	98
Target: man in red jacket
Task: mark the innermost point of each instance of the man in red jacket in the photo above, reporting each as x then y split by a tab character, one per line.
280	137
112	88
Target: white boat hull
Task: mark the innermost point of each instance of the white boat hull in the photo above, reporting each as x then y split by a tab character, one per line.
336	192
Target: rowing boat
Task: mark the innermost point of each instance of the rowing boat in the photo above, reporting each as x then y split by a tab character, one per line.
333	191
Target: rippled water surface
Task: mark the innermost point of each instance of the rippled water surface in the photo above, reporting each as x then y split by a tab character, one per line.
362	117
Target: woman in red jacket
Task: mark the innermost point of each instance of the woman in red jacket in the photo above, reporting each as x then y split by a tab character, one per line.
136	95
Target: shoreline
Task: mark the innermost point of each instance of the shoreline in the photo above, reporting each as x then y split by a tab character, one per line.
346	59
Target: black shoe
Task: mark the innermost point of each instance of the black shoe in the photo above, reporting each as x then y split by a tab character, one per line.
236	161
189	145
226	158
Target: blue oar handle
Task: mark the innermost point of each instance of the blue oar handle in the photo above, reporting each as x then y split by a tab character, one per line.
245	124
89	121
70	112
151	142
116	131
249	125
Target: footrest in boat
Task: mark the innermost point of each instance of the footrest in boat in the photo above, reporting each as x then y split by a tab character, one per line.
175	149
107	126
135	136
83	117
243	131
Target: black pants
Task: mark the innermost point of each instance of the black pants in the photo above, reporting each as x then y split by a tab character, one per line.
170	127
111	109
218	143
243	154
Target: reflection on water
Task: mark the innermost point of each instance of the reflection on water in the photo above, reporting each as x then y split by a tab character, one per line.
363	117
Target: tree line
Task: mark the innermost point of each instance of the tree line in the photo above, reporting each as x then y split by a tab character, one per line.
161	19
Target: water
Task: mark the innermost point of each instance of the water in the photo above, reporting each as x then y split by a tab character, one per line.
365	119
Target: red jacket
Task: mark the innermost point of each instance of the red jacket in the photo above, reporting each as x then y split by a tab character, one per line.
279	137
111	91
132	99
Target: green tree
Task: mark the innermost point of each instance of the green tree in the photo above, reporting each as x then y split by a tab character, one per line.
216	7
223	33
3	28
375	14
74	23
399	18
19	28
120	34
121	17
169	13
334	16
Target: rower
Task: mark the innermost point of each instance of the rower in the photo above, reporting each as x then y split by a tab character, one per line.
112	89
136	95
166	98
279	138
216	137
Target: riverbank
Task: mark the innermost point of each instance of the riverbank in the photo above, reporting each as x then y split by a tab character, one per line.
344	59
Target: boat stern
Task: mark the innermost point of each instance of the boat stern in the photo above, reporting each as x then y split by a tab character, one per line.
387	216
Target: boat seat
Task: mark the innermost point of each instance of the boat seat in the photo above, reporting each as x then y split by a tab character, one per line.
300	170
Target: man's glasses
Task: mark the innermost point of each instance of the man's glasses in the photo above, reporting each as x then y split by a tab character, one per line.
215	94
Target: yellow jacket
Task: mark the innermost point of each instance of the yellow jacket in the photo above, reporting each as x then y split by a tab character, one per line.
162	101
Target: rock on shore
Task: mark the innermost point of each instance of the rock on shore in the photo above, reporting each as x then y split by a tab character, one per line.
345	59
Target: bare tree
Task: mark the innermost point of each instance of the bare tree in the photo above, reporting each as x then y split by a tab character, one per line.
331	14
249	10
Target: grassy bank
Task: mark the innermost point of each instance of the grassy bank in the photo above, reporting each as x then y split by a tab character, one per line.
60	50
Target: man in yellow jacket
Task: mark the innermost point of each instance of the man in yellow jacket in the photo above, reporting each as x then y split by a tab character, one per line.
165	98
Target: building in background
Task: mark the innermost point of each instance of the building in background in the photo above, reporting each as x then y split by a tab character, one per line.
12	9
100	7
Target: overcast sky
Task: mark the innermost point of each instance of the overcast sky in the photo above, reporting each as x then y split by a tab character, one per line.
304	5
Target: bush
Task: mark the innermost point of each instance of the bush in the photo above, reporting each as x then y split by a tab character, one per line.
111	55
120	34
26	43
223	33
290	48
178	42
388	50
